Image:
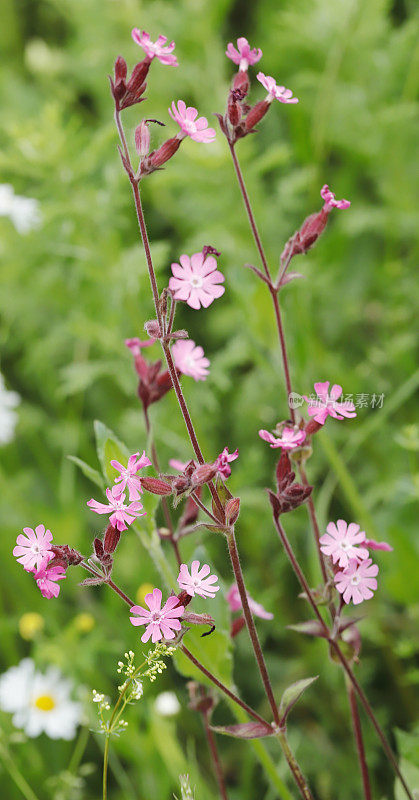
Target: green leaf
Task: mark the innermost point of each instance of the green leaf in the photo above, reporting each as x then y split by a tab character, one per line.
109	447
292	694
88	471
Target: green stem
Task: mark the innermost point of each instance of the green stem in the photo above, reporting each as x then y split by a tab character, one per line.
293	765
15	774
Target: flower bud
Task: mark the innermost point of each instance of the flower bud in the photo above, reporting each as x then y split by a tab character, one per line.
111	539
232	510
142	139
156	486
203	474
241	82
234	109
165	152
120	69
256	114
152	328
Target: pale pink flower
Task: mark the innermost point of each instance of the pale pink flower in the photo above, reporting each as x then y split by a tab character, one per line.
33	549
161	622
358	581
243	56
46	579
289	438
135	345
175	463
120	515
223	461
235	603
189	359
158	49
341	542
186	118
127	477
330	200
373	545
327	404
274	91
196	280
198	581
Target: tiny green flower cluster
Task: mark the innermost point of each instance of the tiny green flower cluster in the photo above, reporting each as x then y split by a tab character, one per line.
154	660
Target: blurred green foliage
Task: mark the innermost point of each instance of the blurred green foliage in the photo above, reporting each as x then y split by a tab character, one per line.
74	289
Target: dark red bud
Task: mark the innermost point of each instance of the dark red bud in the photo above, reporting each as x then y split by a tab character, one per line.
234	110
311	229
98	548
165	152
111	539
208	250
236	626
120	69
203	474
156	486
256	114
241	82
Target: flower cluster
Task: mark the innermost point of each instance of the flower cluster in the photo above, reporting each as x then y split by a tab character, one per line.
164	622
348	547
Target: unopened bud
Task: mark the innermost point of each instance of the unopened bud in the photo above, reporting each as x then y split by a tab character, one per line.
232	510
208	250
256	114
156	486
142	139
120	69
234	109
111	539
165	152
152	328
203	474
241	82
311	229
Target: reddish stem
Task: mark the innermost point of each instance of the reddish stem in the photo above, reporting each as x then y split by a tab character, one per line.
216	763
314	524
356	723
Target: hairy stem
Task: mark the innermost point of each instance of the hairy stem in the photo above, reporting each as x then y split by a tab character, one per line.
293	765
273	291
165	505
216	763
238	574
356	723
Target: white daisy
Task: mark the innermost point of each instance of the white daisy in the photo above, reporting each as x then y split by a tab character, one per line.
40	703
8	416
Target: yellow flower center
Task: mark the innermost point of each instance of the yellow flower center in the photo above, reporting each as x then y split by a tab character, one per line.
45	702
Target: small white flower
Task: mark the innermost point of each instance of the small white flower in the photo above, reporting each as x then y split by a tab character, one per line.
8	416
22	211
166	704
40	703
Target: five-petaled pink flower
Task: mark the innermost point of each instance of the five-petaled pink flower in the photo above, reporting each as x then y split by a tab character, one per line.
327	404
189	359
198	581
289	438
341	542
135	345
235	603
46	579
186	118
161	622
158	49
34	549
330	200
120	515
243	56
274	91
223	463
196	280
358	581
373	545
127	478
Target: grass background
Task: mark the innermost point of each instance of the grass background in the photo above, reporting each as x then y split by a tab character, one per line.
74	289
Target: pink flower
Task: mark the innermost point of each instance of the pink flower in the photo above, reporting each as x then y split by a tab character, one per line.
46	579
33	549
235	603
289	438
330	200
341	540
135	345
186	118
128	475
161	622
158	49
373	545
223	461
196	280
327	405
190	359
198	581
243	56
120	514
357	582
274	91
175	463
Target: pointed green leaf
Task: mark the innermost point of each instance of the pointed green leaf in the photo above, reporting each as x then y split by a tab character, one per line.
249	730
292	694
88	471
